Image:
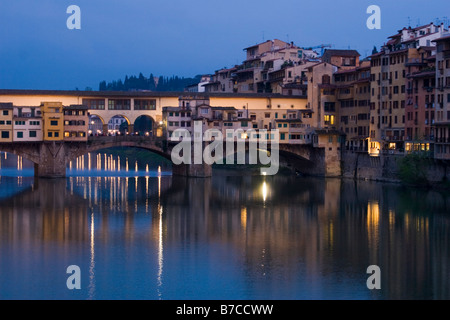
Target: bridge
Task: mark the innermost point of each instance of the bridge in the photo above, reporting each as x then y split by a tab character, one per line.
51	158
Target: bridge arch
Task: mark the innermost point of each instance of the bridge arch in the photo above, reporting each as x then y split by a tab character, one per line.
144	125
101	143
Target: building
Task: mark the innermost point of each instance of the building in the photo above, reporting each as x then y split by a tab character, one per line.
76	122
345	59
27	124
294	122
442	121
420	114
322	95
6	125
53	121
200	86
353	104
391	90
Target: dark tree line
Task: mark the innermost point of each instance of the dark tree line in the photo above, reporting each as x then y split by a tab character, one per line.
133	83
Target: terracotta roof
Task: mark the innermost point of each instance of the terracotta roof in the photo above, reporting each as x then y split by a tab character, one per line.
340	53
138	94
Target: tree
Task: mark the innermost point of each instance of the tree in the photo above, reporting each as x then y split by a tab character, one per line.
374	50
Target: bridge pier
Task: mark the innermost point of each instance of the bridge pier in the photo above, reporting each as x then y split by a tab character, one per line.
52	162
192	170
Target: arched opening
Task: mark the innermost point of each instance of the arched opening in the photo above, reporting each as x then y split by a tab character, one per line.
15	165
143	125
118	125
95	127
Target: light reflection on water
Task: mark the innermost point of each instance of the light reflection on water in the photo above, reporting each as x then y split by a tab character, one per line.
154	236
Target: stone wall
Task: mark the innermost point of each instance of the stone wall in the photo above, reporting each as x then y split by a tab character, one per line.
386	168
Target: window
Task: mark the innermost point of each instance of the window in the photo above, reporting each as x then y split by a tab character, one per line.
95	104
53	123
66	134
244	124
32	134
267	115
5	112
19	134
5	134
50	134
56	134
328	119
2	122
282	136
144	104
204	111
119	104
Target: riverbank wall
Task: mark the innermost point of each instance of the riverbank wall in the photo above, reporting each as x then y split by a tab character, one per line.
386	167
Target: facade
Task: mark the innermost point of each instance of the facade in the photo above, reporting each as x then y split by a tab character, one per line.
353	104
53	121
27	124
6	125
421	113
294	123
322	95
76	122
391	90
199	87
442	121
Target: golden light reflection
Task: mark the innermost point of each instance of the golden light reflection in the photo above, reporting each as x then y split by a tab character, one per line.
391	219
264	191
244	218
373	223
92	261
160	251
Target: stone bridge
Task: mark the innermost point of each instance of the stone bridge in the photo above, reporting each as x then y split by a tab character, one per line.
51	158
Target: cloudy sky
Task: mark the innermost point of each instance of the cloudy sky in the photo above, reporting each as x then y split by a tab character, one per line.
174	37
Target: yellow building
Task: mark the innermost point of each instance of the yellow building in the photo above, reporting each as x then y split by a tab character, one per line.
52	114
6	115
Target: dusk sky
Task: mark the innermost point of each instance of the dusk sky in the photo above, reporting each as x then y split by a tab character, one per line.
184	38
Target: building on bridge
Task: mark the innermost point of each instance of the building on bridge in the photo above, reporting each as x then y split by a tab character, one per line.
27	124
294	125
53	121
6	126
76	122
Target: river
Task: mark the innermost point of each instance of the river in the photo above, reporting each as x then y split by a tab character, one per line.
140	233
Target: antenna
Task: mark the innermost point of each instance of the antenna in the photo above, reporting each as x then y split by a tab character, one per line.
409	21
264	39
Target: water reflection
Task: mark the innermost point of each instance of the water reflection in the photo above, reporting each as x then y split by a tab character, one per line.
243	237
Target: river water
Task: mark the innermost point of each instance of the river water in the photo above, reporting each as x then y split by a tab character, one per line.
142	234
